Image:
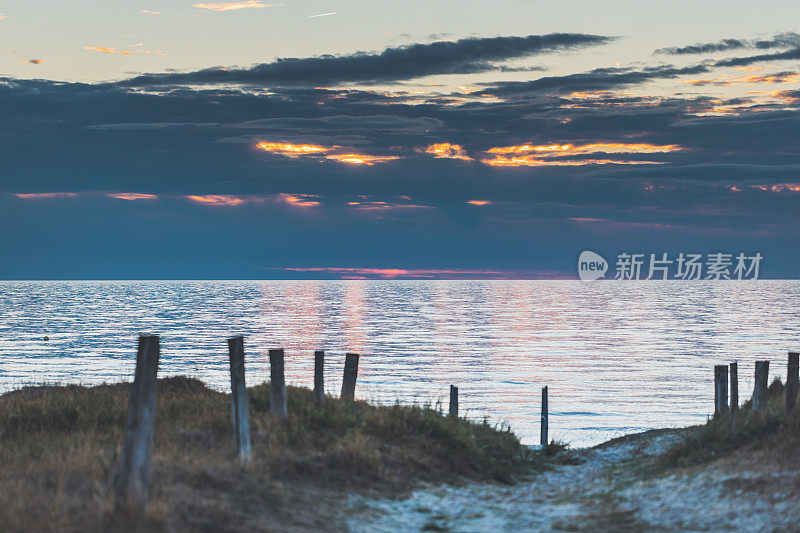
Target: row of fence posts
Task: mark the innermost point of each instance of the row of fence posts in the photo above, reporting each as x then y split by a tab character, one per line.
134	468
722	373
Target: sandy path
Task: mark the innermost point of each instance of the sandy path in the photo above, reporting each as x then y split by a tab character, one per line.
600	494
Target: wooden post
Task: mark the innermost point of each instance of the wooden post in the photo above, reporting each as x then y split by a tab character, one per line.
720	390
134	464
545	415
349	378
453	401
760	390
791	380
239	403
319	376
277	384
734	372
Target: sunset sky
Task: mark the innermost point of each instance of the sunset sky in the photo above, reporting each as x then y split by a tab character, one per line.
348	139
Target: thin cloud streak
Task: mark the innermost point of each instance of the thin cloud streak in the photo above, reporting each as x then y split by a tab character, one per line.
45	195
110	50
132	196
232	6
428	273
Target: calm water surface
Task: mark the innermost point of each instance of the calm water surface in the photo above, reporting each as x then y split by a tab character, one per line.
617	356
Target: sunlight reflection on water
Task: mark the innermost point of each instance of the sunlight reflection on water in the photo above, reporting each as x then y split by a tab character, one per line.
617	356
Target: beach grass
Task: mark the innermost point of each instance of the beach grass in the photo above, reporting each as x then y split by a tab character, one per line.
773	429
59	450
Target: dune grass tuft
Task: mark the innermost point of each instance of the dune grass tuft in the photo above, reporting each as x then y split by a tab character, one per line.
59	447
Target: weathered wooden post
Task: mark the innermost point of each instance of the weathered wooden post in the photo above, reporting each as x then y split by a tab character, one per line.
319	376
760	390
734	369
543	439
239	403
453	401
720	390
791	380
134	464
277	384
349	378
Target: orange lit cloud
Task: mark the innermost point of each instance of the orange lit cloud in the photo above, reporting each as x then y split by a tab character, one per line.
780	77
32	61
44	195
150	12
132	196
788	97
557	150
225	200
546	155
778	187
533	161
751	69
361	159
448	151
299	200
108	50
592	95
479	202
370	205
231	6
299	150
293	150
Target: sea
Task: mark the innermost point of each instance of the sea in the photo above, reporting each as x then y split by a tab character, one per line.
617	356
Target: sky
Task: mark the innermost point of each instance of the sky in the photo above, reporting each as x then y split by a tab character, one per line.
395	140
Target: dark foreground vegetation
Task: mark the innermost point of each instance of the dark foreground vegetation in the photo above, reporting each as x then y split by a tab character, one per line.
59	449
772	433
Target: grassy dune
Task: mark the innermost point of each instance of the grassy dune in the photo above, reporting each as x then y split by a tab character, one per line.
746	433
59	448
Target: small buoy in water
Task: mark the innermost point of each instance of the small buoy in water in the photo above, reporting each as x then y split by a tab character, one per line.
46	338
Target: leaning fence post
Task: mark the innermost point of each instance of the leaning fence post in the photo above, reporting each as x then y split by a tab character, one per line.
734	372
453	401
277	384
545	415
134	465
791	380
760	390
319	376
720	389
349	378
239	404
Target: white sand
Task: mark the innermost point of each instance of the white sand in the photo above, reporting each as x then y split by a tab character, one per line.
598	495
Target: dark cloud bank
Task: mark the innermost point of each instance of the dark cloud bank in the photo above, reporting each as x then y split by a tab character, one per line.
405	62
92	140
